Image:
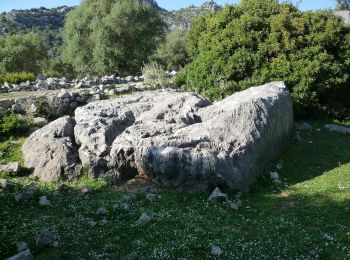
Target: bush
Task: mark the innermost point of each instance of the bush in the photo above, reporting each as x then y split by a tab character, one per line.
257	42
154	75
22	52
172	54
111	37
16	77
12	124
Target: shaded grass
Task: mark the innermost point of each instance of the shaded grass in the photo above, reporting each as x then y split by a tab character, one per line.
306	217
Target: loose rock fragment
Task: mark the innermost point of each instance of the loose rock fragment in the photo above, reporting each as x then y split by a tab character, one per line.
25	255
46	238
144	219
22	246
44	202
153	197
216	251
101	211
217	196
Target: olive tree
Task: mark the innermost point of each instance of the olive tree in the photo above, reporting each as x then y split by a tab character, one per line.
22	53
112	36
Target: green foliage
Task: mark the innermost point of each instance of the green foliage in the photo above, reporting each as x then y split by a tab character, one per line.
172	54
58	68
111	37
16	77
22	52
260	41
343	4
13	124
154	75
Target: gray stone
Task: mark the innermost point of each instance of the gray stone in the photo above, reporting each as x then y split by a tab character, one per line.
40	121
338	129
217	196
101	211
45	239
180	140
216	251
303	126
62	187
153	197
22	246
6	184
6	103
44	202
13	167
144	219
64	95
18	108
50	152
25	255
26	193
85	189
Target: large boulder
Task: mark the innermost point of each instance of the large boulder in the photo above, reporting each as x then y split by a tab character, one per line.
176	139
51	151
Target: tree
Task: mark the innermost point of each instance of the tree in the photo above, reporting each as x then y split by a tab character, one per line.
260	41
343	4
112	36
22	53
172	54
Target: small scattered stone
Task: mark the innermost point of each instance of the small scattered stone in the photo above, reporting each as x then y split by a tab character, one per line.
22	246
234	205
216	251
303	126
6	184
46	238
144	219
279	166
274	175
13	167
25	255
26	193
101	211
338	129
44	202
153	197
62	187
40	121
85	189
92	223
128	198
217	196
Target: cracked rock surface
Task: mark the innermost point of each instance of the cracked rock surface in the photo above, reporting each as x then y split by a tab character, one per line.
177	139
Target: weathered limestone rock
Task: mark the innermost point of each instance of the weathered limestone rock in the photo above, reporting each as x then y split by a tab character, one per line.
176	139
338	129
51	152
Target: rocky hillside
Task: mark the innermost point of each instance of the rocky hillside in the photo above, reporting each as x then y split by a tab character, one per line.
50	21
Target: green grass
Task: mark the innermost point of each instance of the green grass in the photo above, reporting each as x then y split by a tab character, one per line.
307	217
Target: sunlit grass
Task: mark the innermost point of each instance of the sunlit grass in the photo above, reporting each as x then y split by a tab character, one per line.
306	217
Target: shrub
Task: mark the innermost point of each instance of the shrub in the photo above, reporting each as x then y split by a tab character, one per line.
172	54
22	52
12	124
111	37
16	77
260	41
155	75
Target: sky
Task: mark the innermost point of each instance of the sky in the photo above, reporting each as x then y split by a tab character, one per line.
7	5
